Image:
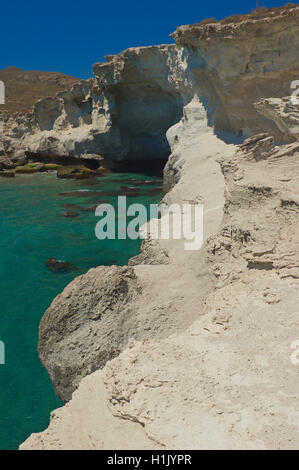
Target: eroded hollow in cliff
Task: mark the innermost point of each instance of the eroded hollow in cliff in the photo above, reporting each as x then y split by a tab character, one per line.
143	116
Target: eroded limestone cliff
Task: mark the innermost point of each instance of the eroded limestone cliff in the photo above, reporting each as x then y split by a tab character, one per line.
187	349
136	96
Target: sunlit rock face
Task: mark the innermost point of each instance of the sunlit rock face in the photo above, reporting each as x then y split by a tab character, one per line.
240	60
122	114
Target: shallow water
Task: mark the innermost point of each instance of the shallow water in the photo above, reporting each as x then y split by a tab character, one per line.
32	231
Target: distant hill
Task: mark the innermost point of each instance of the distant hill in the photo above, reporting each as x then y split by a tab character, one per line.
23	89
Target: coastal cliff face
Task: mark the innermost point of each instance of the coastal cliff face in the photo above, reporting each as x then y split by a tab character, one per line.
134	98
186	349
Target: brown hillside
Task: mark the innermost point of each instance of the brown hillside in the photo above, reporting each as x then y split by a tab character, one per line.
23	89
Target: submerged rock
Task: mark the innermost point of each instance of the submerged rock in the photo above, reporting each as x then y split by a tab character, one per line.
86	194
59	266
69	214
143	182
127	191
88	208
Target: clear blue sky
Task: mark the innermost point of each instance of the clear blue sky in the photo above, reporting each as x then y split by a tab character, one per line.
69	36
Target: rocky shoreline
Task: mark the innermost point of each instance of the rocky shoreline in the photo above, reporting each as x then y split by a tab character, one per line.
183	349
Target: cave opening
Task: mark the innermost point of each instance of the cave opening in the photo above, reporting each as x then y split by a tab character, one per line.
143	114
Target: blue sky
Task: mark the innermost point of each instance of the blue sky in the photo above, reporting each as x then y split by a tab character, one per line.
69	36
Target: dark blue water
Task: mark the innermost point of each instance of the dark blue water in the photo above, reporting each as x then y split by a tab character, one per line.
32	230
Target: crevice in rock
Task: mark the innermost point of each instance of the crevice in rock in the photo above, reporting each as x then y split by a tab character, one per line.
266	265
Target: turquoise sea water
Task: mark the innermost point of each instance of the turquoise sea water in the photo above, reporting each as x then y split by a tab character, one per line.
32	230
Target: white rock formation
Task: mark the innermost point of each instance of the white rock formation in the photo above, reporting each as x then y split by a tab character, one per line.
205	335
225	380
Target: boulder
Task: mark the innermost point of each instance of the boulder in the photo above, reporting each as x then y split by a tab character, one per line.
31	168
75	172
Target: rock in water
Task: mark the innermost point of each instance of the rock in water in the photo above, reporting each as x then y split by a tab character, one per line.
70	214
58	266
29	168
7	174
99	300
77	172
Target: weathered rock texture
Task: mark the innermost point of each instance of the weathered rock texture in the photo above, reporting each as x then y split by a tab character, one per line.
96	315
205	335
